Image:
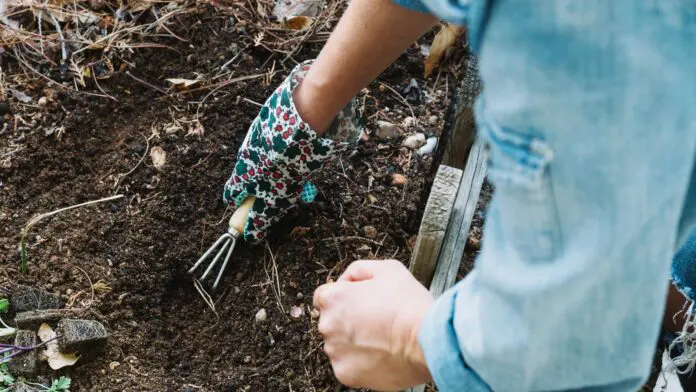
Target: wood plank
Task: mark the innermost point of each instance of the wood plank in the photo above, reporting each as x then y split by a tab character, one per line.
436	218
450	257
460	138
452	250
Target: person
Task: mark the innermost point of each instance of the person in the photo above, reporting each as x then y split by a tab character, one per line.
587	111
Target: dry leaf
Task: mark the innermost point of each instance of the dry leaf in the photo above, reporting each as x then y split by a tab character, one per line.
158	156
52	354
297	22
183	83
444	40
261	10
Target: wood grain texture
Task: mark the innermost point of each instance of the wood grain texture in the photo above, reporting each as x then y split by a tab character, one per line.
436	217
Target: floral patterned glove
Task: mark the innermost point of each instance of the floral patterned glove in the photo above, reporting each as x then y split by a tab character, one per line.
279	154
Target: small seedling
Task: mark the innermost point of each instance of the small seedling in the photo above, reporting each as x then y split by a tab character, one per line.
4	305
6	379
61	384
36	219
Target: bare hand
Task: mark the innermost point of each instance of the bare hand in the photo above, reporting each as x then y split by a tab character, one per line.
370	320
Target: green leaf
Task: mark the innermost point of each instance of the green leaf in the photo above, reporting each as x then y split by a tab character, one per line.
4	305
6	379
61	384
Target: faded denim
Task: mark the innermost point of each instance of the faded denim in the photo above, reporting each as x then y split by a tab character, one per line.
589	112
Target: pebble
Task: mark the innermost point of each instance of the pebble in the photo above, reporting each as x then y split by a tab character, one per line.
300	295
43	101
261	316
433	120
388	130
429	146
296	312
414	141
4	108
370	231
398	179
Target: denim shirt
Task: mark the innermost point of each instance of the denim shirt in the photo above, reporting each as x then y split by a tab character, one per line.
587	112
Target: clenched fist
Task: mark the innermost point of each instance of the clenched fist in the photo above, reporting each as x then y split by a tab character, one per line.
370	319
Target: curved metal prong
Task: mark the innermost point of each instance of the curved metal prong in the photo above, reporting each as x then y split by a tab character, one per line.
224	264
209	251
217	257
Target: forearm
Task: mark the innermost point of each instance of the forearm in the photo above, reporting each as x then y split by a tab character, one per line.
369	37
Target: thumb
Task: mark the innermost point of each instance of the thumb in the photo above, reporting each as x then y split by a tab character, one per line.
364	270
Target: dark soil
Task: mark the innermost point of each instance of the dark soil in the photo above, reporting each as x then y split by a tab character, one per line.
127	260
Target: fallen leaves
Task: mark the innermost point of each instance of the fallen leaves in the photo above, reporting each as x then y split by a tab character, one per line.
55	358
298	23
445	39
183	84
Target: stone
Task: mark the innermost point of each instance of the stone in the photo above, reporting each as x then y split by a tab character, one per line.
414	141
86	337
429	146
25	298
34	318
398	179
24	364
388	130
261	316
370	231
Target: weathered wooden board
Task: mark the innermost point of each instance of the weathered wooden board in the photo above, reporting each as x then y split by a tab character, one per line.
450	256
436	218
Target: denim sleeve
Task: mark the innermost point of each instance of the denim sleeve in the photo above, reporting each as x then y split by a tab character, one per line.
415	5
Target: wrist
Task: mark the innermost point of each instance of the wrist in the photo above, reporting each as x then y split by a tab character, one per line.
415	355
311	104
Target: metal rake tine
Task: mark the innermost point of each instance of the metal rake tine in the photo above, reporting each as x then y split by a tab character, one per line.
224	263
208	252
217	257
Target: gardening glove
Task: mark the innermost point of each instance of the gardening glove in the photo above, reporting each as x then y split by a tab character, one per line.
279	154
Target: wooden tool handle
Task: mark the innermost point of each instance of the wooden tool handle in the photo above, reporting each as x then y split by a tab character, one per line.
238	219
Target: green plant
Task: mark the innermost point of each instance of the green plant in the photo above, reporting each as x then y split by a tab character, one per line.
61	384
6	379
4	305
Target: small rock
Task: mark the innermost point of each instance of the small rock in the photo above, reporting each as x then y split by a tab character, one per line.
388	130
398	179
433	120
25	298
261	316
296	312
88	337
300	295
24	364
114	364
370	231
247	359
34	318
43	102
414	141
4	108
429	146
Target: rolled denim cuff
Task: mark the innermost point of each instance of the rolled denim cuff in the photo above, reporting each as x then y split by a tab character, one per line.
413	5
441	348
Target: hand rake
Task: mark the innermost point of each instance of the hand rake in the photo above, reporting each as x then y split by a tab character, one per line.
228	241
